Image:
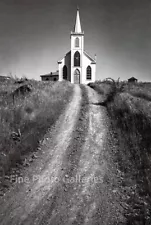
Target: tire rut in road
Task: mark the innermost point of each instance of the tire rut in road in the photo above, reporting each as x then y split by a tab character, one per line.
84	202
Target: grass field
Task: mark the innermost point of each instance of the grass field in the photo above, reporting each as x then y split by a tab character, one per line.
26	116
129	108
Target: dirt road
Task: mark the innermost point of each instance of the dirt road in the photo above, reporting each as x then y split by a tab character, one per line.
73	180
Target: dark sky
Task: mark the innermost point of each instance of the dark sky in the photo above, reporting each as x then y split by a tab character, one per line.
35	34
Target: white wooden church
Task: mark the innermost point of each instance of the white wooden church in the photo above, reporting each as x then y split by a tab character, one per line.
77	66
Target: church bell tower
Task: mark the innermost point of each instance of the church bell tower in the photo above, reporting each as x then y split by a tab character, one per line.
77	48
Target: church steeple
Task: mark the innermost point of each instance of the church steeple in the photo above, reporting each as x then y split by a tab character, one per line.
77	27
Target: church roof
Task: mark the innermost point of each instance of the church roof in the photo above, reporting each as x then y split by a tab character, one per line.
77	27
59	61
87	55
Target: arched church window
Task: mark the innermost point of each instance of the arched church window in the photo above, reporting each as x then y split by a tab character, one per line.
77	59
77	42
89	73
65	72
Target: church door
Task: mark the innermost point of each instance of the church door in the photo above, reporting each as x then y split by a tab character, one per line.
77	77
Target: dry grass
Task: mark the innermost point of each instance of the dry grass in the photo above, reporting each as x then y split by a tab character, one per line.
25	118
130	111
140	90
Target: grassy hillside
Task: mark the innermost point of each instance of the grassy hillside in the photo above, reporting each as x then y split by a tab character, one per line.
26	114
129	108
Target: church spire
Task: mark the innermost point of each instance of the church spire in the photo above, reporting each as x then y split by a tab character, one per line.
77	27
